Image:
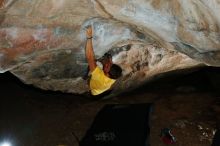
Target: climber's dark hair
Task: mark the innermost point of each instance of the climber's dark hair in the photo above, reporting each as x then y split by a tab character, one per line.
115	71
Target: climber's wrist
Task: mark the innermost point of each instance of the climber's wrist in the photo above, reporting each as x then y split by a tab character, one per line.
89	37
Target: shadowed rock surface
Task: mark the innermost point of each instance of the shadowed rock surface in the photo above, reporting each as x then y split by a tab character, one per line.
42	42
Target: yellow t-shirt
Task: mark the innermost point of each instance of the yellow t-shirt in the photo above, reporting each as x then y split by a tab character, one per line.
99	82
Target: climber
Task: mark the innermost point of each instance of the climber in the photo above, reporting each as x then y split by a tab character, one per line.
101	80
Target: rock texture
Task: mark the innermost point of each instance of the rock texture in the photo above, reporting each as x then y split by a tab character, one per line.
42	42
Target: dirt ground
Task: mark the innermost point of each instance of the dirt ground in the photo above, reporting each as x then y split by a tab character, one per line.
188	104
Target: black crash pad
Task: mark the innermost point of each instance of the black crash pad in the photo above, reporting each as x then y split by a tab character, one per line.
120	125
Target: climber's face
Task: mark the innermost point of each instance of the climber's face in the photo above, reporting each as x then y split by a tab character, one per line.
107	63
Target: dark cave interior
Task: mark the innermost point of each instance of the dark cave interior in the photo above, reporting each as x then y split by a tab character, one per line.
186	102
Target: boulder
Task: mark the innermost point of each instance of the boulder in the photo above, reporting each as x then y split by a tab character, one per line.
43	42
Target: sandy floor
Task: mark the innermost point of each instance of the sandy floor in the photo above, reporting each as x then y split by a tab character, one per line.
188	104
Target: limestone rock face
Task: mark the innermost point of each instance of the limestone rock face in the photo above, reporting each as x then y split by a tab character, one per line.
42	42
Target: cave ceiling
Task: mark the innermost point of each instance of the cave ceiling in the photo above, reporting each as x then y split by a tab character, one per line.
42	42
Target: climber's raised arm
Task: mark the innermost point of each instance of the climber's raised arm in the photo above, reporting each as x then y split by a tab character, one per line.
90	56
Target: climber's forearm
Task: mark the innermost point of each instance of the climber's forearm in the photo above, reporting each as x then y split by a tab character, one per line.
89	50
90	56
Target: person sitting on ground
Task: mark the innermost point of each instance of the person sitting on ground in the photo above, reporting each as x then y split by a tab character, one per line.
101	80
